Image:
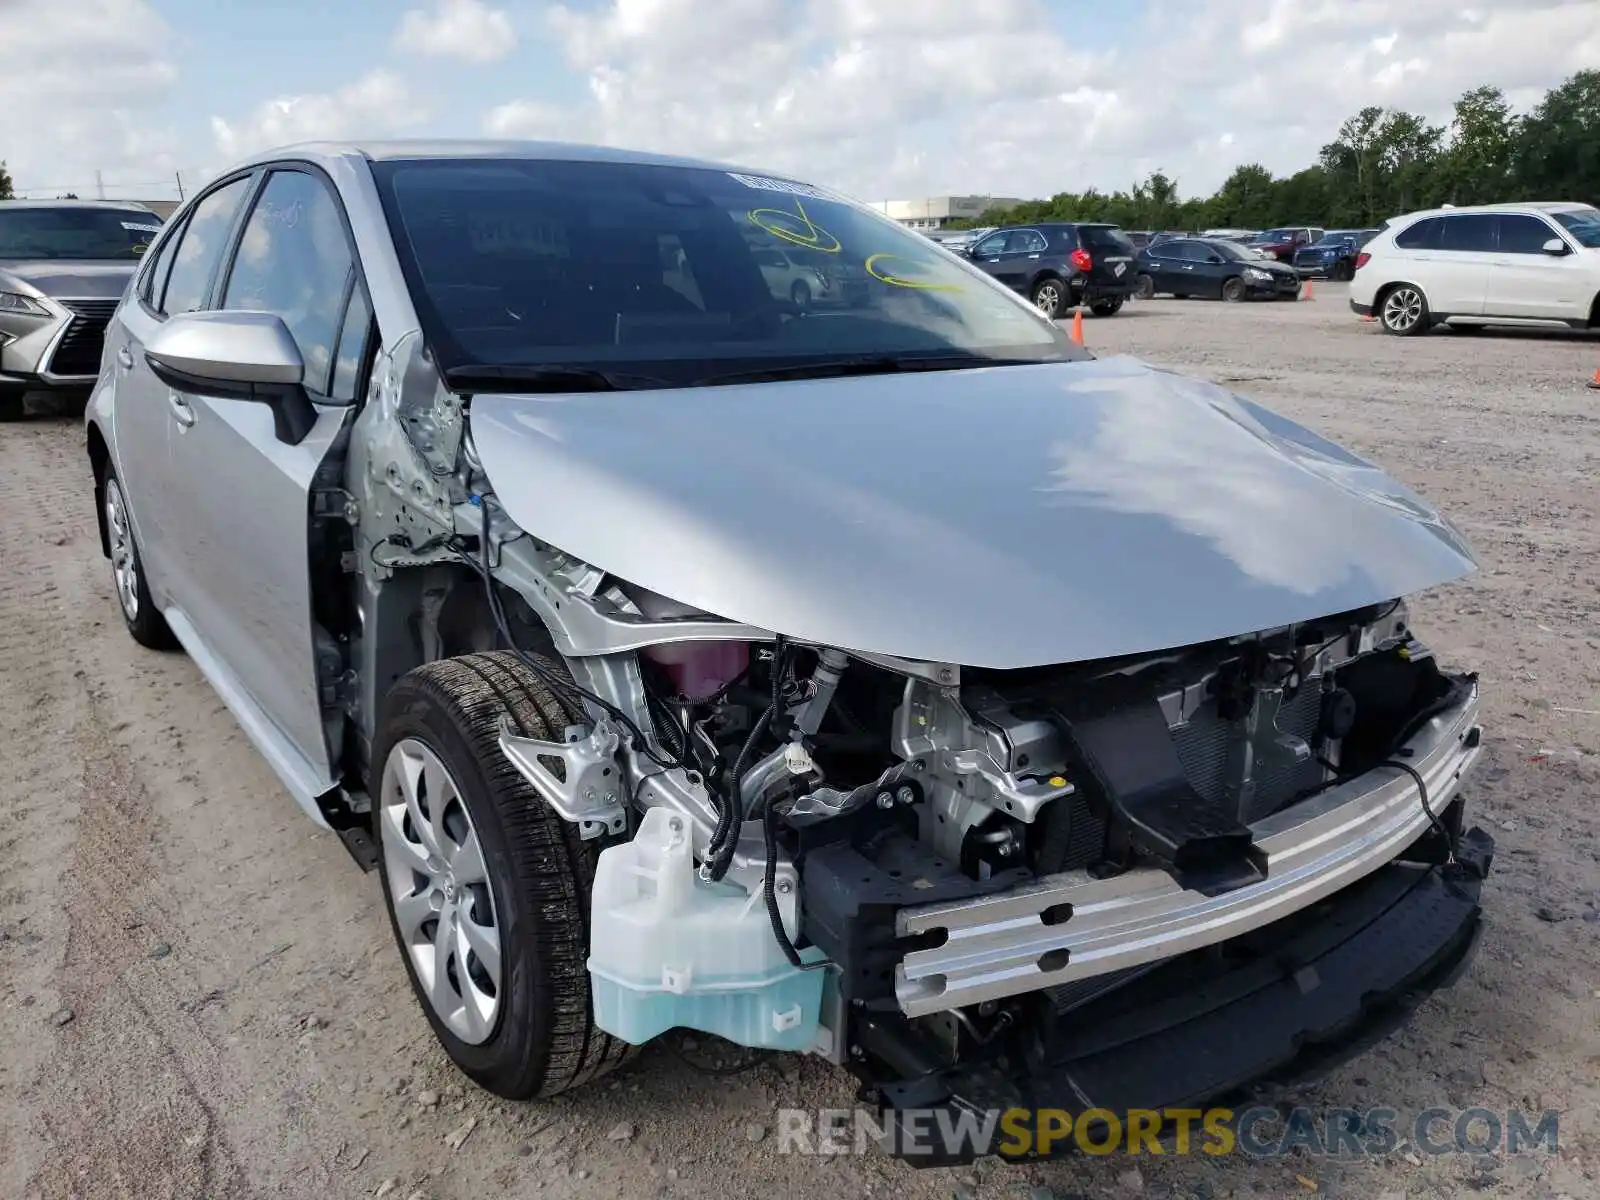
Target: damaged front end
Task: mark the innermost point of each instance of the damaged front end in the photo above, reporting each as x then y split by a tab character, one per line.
1138	882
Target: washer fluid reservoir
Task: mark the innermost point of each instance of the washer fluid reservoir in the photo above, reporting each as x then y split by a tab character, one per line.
668	950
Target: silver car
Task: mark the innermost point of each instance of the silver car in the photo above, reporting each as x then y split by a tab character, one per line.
64	264
897	683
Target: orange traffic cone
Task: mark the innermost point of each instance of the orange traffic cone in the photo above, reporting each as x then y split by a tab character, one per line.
1595	382
1077	326
1309	294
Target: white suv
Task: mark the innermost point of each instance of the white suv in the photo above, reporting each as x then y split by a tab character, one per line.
1499	264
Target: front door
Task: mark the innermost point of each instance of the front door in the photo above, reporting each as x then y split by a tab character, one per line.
246	497
1526	280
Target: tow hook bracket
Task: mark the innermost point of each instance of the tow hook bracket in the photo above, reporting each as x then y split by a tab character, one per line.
588	793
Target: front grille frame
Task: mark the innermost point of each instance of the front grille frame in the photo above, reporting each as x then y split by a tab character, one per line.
78	350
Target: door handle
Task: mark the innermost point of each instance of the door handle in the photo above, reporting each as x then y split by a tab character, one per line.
124	359
181	412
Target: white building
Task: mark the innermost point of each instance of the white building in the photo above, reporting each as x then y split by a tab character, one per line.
935	212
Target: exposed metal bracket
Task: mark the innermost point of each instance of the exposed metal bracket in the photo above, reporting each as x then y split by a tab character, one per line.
589	792
1020	798
335	504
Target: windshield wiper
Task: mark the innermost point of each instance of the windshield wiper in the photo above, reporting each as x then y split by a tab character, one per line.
866	364
500	377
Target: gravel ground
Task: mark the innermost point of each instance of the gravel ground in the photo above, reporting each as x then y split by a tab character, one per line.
199	996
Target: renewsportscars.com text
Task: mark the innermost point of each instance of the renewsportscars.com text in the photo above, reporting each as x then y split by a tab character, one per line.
1263	1132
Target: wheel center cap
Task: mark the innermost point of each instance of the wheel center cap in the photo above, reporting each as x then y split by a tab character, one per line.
450	889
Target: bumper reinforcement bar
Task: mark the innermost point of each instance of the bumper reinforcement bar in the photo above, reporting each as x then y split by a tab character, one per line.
1073	927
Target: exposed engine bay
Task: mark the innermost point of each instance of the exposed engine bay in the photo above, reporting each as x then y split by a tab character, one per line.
933	839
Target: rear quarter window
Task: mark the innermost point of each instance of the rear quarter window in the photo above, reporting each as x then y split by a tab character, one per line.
1104	239
1422	235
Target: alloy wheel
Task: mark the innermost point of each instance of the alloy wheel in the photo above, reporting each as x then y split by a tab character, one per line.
124	557
1402	309
1047	298
438	880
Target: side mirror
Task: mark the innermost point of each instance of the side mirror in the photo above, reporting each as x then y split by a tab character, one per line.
1555	247
236	355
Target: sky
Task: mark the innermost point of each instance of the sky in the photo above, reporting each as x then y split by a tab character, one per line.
887	99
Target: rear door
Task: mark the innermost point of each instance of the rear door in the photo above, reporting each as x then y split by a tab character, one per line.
147	413
1527	281
246	497
1020	261
988	252
1449	257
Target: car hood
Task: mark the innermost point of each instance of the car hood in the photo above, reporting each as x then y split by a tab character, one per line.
997	517
94	280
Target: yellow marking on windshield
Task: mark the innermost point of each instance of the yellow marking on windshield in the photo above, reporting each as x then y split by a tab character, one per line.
812	236
899	281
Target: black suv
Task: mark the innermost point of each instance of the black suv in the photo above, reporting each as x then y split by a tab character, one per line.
1059	265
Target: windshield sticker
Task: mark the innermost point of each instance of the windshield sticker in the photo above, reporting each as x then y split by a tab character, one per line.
490	233
139	228
763	184
884	275
795	227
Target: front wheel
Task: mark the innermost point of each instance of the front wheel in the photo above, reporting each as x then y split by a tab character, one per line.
11	403
1146	289
1233	290
145	623
1049	297
1404	311
1106	308
800	294
487	888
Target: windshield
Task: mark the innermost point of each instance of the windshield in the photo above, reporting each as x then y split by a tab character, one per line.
680	273
1583	224
1338	235
75	234
1277	235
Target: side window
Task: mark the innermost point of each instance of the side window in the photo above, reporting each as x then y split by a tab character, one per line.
1028	241
352	349
990	246
1191	251
200	249
1424	235
155	277
1474	231
1521	234
294	260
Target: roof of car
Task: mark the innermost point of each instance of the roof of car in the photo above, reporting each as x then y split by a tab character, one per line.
1514	206
436	148
117	205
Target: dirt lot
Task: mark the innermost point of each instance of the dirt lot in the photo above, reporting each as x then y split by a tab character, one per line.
199	996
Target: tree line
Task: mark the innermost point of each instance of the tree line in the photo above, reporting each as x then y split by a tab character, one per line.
1383	163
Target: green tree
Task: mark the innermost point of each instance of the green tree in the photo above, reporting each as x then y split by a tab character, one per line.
1476	167
1247	199
1557	155
1407	157
5	182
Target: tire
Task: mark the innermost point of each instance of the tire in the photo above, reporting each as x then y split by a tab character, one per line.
1180	295
1341	272
1146	289
1049	296
1106	308
534	876
1403	311
800	294
1233	290
11	403
145	623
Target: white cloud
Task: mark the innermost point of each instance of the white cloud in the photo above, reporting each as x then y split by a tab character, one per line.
886	98
78	84
380	103
468	30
